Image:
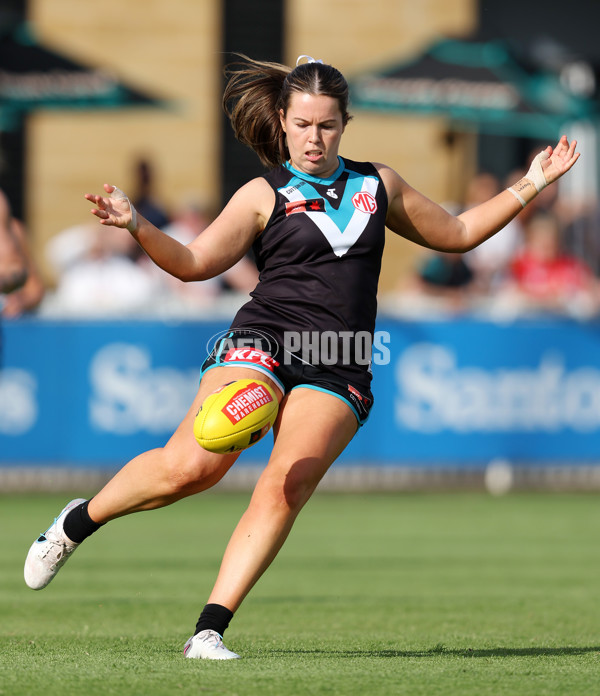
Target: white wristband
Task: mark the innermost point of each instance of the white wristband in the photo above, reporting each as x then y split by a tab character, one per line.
536	173
121	196
518	196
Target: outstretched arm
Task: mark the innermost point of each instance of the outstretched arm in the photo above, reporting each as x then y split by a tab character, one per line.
412	215
222	244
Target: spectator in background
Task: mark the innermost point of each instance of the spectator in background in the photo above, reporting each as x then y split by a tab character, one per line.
444	278
580	220
144	198
97	275
29	296
546	279
190	220
440	282
13	268
20	281
100	273
490	261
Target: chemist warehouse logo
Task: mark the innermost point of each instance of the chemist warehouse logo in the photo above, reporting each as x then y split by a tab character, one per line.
245	401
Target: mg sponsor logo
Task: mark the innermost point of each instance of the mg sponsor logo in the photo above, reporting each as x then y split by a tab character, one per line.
365	202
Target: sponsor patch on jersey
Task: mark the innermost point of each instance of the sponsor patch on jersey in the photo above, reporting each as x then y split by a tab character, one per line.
245	401
252	355
311	205
354	392
360	402
365	202
291	189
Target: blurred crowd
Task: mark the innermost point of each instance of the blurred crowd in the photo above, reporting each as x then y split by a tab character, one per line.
21	286
546	261
100	271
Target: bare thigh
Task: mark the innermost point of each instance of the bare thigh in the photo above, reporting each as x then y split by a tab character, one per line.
313	429
181	468
183	438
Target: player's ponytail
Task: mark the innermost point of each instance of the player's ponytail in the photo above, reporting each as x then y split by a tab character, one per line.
257	90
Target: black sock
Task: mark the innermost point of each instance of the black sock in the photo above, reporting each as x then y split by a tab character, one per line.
214	617
78	525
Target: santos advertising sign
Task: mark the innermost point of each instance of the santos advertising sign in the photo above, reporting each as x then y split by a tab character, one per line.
447	394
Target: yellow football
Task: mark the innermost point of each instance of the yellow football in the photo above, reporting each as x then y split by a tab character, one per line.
236	416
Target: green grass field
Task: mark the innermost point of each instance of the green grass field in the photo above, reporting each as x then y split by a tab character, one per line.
373	594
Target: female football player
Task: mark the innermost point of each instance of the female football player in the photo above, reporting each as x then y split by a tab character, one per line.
316	222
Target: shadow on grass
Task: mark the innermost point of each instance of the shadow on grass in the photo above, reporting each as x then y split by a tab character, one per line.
442	650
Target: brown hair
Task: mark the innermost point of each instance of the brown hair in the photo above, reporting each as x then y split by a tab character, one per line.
257	90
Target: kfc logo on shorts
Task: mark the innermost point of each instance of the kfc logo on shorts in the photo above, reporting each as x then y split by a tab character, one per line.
251	355
365	202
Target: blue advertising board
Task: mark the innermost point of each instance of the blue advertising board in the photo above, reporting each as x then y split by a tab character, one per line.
447	393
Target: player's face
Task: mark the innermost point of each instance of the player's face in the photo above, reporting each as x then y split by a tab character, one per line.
313	125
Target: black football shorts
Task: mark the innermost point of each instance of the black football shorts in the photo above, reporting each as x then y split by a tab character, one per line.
258	351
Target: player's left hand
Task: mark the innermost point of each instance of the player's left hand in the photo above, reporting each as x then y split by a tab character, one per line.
559	160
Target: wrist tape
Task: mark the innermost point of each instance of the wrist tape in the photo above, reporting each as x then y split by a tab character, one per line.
535	174
119	195
518	196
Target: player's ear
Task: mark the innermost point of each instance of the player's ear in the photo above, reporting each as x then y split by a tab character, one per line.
282	119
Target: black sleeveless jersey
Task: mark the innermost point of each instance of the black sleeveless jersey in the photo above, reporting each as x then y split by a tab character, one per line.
319	259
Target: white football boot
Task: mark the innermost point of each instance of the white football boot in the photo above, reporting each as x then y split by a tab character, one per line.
208	645
50	551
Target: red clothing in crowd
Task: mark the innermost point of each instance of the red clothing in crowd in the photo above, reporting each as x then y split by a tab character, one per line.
544	279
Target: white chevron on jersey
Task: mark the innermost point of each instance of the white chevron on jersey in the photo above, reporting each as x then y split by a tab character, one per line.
340	240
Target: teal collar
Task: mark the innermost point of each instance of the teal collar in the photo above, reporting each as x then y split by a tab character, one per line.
316	179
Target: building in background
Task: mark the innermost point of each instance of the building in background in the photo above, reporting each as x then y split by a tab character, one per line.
177	50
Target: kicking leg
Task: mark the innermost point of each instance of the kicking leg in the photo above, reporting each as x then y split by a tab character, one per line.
154	479
164	475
